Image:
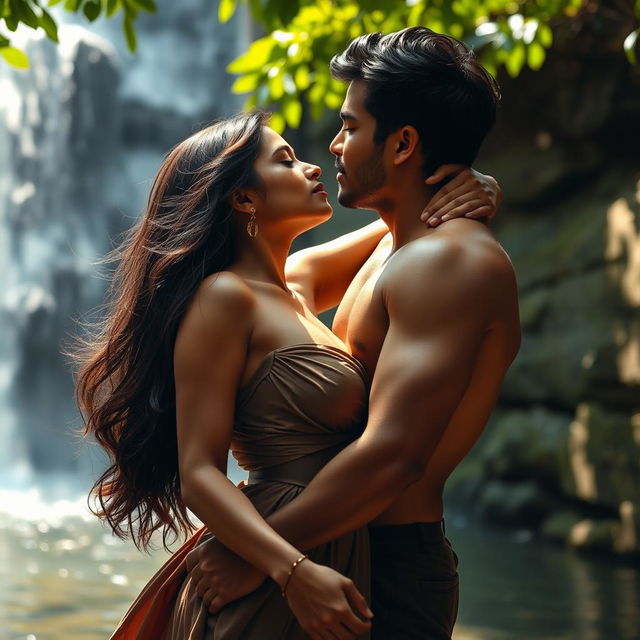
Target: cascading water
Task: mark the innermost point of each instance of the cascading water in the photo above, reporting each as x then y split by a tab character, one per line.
81	135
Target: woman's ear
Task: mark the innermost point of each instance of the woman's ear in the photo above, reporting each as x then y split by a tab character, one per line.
242	201
405	144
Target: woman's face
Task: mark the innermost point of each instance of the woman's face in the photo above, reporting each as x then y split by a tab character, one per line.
292	191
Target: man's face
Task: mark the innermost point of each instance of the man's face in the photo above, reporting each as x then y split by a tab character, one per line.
359	160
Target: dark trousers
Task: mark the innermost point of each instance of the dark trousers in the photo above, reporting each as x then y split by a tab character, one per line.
414	582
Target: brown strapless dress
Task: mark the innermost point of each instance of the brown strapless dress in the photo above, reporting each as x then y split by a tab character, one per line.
304	403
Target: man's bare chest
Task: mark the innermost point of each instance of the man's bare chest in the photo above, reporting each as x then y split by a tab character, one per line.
361	318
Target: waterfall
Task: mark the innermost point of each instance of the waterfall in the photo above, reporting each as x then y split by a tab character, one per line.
82	133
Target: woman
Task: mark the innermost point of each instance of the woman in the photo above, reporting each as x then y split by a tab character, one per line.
211	344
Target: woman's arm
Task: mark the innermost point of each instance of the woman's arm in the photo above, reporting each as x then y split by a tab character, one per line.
321	274
209	358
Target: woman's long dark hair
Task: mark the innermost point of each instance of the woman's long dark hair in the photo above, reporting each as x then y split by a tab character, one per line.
125	386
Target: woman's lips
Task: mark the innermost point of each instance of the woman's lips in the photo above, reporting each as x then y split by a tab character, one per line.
319	188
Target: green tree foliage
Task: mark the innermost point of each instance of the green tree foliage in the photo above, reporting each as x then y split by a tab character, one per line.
290	64
34	15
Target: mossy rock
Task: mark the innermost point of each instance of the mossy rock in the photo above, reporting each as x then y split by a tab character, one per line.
515	503
590	534
604	457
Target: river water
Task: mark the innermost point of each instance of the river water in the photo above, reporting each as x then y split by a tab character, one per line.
64	577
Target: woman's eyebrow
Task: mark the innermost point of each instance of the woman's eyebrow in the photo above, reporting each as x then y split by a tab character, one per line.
284	147
346	115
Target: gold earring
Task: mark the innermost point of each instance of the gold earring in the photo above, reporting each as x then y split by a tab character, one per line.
252	225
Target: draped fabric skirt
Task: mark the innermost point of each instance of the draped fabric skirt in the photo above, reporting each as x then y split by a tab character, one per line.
169	608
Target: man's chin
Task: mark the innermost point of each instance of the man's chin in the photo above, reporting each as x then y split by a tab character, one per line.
347	199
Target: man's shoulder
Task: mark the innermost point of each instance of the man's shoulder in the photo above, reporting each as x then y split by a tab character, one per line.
449	253
447	266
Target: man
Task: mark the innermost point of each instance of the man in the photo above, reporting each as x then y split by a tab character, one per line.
432	314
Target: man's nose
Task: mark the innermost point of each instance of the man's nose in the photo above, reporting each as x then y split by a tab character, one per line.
335	146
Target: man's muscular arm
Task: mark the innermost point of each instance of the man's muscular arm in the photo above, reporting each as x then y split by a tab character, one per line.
438	296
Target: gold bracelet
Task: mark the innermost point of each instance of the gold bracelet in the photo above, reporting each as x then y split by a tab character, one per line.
293	568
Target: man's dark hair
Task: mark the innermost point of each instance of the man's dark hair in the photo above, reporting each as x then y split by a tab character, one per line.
427	80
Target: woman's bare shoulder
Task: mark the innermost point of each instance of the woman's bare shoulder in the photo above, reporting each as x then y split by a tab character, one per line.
221	310
225	288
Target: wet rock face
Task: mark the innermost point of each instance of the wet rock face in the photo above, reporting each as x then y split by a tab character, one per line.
570	411
82	133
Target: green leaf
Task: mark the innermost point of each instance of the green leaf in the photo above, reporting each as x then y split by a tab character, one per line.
129	34
516	59
276	85
277	123
112	7
4	42
246	83
544	35
317	91
49	25
53	3
15	57
286	10
332	100
149	6
255	58
226	9
302	77
535	55
292	111
24	13
11	22
630	46
92	10
72	5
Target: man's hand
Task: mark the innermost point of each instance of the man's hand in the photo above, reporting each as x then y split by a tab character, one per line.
220	575
326	604
468	194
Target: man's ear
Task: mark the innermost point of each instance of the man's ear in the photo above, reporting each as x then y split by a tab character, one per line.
243	201
405	144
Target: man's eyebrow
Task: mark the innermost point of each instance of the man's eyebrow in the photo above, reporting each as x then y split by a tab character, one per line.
345	115
284	147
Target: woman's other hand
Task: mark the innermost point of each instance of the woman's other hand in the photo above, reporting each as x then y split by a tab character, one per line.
468	194
220	576
326	604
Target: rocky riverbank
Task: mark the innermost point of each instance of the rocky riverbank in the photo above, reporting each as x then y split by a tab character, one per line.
562	452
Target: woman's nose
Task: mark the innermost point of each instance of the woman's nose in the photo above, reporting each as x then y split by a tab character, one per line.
313	172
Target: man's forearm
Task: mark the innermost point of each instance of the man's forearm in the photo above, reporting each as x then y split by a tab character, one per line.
350	491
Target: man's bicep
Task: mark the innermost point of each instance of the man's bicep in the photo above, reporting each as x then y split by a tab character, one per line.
421	376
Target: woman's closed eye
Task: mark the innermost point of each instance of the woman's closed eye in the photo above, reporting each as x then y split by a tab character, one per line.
288	163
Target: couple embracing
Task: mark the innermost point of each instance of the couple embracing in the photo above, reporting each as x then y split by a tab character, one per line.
213	344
